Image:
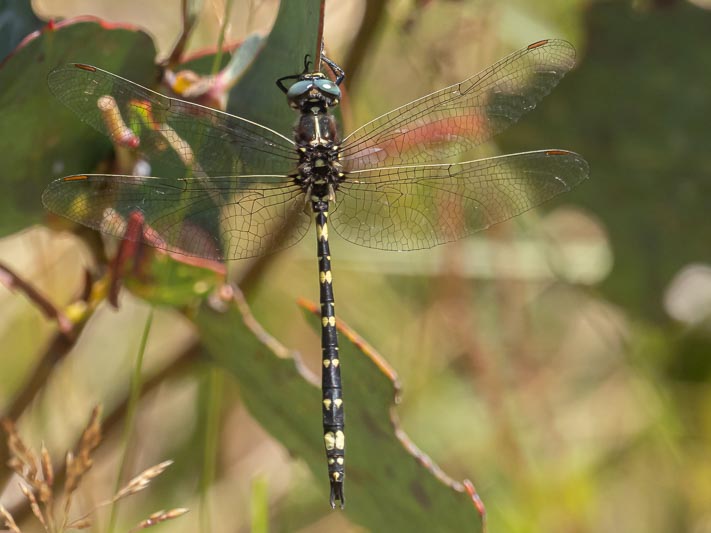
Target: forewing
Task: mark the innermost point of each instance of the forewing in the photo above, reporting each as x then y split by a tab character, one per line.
170	133
416	207
456	118
220	218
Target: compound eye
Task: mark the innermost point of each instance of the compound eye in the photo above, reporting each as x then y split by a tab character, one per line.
299	89
328	87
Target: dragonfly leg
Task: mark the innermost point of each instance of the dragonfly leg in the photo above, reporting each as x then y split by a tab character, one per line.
307	67
280	82
337	71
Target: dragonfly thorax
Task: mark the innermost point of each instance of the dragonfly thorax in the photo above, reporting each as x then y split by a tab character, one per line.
320	172
319	168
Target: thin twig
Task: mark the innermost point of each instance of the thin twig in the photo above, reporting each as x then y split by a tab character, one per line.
189	19
14	282
217	62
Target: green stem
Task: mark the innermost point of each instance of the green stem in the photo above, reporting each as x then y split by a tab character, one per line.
259	504
215	385
217	62
134	396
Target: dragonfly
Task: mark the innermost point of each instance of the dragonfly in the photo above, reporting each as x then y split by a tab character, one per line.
225	188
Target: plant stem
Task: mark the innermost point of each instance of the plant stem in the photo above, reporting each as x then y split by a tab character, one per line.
260	506
135	394
217	62
215	386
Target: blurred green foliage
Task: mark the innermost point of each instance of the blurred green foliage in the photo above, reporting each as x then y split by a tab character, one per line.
573	406
641	108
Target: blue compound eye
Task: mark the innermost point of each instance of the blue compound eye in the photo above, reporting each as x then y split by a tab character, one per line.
300	88
328	87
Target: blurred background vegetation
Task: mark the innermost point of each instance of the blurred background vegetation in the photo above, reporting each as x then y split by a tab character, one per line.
561	361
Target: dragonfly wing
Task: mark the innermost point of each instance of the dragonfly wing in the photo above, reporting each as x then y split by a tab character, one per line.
169	132
461	116
416	207
217	218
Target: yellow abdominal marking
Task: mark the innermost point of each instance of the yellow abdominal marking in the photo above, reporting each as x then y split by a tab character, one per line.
338	402
330	440
327	403
340	439
322	232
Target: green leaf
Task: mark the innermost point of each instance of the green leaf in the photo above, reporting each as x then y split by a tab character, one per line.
294	35
42	140
175	281
390	485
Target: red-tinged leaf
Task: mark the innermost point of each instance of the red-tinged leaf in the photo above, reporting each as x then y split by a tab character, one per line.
386	490
41	139
161	277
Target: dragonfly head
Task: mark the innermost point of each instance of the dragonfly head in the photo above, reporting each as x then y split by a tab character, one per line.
313	90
